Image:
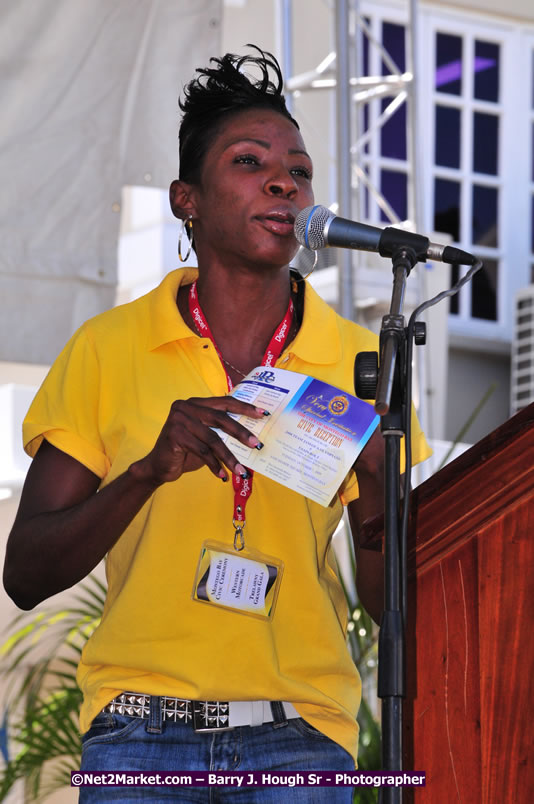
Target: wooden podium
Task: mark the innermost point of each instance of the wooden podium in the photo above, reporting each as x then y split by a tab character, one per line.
469	709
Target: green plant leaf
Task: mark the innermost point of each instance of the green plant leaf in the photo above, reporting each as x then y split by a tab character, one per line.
39	663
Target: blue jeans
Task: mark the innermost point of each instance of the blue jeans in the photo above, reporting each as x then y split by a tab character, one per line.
120	743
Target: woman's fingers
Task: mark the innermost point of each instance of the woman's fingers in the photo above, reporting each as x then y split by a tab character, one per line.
194	423
189	439
215	412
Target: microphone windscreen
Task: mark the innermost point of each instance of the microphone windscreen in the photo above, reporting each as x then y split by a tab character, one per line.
309	226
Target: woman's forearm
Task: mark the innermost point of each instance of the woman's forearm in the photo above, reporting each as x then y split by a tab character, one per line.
48	552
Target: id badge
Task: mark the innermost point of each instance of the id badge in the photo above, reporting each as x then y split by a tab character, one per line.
246	582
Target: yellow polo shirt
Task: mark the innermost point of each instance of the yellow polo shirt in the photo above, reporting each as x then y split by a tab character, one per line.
104	403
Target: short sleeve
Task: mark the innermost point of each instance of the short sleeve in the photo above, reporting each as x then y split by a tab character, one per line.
65	409
421	450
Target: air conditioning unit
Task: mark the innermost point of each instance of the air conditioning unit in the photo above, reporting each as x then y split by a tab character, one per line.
522	380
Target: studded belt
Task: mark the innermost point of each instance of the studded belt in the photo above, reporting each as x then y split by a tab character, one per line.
205	716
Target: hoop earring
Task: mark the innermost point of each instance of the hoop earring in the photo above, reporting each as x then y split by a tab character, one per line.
187	230
312	269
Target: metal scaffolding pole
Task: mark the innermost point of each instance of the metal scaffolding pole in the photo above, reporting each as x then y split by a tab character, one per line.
284	42
415	191
344	161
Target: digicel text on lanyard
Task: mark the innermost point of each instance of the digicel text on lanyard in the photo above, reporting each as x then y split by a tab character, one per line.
243	485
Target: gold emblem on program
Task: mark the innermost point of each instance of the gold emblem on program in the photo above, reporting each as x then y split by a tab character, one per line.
338	405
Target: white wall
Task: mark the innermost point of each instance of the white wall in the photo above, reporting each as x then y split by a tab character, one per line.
471	374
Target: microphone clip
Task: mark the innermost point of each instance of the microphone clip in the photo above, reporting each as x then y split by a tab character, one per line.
394	242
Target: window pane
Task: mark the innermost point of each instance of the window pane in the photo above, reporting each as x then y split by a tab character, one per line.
393	134
365	196
365	118
485	224
485	143
366	204
363	53
393	41
486	69
449	64
393	186
484	292
447	207
532	153
448	132
366	70
454	301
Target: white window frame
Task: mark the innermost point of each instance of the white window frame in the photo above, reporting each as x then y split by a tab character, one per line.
395	13
513	252
515	188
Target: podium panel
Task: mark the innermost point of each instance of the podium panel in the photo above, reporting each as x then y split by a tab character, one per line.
468	715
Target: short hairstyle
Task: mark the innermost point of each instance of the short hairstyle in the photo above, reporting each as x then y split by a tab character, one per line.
217	93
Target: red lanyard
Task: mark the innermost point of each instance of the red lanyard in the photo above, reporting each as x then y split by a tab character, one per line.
242	485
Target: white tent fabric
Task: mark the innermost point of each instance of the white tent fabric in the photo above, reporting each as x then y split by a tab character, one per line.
89	104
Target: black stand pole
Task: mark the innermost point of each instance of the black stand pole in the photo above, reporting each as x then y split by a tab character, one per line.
390	405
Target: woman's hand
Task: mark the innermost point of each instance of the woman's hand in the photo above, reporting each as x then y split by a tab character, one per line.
188	441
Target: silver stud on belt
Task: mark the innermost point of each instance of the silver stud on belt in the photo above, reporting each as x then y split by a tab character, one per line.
205	715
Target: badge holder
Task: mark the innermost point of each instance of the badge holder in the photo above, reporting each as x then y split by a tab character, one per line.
240	580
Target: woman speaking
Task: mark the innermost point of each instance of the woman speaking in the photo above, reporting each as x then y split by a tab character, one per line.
128	465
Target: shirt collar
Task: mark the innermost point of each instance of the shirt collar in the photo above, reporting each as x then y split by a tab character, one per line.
318	340
165	322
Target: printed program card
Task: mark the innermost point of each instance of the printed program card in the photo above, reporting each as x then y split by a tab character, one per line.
313	436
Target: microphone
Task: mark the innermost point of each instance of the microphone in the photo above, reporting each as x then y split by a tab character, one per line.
317	227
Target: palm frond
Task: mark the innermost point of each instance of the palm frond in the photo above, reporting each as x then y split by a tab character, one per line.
39	660
45	732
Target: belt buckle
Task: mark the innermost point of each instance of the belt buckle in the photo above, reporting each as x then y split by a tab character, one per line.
211	716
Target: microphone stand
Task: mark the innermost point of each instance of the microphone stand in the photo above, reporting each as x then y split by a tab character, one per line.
390	404
390	385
